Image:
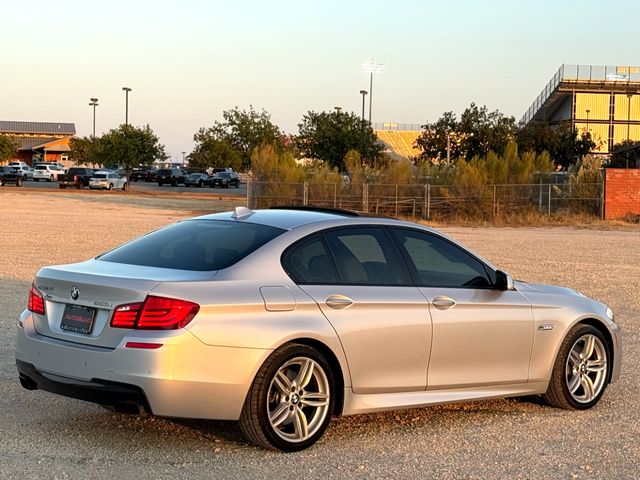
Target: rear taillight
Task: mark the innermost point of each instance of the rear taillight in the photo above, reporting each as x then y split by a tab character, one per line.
155	313
36	301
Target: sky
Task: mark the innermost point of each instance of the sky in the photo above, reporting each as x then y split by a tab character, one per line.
187	61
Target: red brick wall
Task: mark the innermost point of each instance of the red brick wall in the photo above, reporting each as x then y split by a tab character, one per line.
622	192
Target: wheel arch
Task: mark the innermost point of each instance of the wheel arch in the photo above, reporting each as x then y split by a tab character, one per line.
602	328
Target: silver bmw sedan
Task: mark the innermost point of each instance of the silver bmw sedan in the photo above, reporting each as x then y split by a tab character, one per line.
282	318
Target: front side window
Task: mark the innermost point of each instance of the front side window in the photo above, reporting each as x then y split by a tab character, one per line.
364	256
200	245
439	263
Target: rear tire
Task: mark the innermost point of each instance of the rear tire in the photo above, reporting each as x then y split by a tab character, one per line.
291	400
581	371
110	186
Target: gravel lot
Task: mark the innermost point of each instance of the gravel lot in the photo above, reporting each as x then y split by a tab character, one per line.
44	436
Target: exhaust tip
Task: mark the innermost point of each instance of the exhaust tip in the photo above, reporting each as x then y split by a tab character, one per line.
27	383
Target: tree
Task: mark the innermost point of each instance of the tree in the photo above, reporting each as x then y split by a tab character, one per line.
563	142
241	131
8	148
85	151
476	133
329	136
128	147
213	152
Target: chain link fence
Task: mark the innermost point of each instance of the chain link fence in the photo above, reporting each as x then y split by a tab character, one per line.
433	201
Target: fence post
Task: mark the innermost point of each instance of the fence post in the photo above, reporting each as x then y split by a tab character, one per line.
428	201
396	201
249	193
549	202
335	195
305	194
495	207
365	197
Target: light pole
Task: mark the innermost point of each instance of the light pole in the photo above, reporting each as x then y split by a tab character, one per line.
588	112
371	68
629	95
183	154
448	148
364	94
94	104
126	104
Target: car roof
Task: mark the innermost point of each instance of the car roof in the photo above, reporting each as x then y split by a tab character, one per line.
289	218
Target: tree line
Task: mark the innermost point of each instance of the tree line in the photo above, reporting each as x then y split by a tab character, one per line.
328	137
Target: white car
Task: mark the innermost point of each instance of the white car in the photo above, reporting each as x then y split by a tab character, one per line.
26	170
107	181
47	172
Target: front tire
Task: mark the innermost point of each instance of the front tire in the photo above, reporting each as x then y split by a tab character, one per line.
581	370
291	400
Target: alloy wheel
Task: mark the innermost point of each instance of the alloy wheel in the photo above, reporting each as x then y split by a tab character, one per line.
298	399
586	368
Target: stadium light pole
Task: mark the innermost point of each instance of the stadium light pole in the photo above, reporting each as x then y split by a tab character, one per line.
364	94
94	104
126	104
448	148
371	68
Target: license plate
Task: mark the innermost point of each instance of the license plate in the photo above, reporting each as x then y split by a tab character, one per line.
78	319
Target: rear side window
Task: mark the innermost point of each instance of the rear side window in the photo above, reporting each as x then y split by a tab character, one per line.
309	263
364	256
200	245
440	263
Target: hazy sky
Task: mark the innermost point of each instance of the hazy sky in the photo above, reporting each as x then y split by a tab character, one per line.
189	60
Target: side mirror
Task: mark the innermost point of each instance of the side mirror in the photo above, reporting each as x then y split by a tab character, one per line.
504	281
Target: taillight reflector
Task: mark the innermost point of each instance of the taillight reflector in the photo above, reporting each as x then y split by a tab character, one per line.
143	345
36	301
155	313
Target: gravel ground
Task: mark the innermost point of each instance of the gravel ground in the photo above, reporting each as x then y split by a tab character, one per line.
45	436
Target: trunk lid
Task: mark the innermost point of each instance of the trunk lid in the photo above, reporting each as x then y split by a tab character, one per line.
100	287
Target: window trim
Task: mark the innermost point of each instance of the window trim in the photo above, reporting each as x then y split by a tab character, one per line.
413	270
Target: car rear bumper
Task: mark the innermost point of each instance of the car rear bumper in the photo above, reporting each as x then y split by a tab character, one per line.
183	378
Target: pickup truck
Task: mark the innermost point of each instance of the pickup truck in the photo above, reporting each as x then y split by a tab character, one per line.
76	177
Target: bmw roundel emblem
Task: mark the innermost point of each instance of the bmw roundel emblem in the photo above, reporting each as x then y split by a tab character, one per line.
75	293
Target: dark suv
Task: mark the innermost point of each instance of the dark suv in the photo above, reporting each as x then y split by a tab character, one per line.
171	176
10	175
225	180
144	175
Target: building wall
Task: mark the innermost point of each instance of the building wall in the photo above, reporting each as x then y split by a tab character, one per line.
622	192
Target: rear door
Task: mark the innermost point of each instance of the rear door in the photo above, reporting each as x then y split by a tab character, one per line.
362	287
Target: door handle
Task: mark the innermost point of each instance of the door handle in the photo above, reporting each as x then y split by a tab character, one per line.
443	303
338	301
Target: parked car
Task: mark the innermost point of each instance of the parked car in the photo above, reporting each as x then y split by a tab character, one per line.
18	164
10	175
225	180
299	314
171	176
107	181
197	180
76	177
144	175
48	172
25	170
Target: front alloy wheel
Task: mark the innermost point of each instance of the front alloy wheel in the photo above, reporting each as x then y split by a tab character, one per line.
581	372
291	400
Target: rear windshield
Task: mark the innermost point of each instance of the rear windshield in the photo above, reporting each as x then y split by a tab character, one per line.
100	175
201	245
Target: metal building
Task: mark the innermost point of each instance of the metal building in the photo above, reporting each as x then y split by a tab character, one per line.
603	100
